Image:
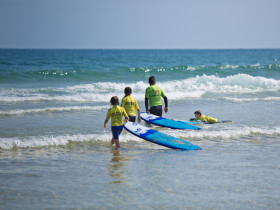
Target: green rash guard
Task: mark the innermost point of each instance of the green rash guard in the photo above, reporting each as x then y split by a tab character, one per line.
154	94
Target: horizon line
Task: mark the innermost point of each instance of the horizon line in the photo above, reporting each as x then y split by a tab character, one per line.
14	48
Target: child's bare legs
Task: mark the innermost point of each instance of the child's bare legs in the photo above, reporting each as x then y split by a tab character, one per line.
117	143
116	131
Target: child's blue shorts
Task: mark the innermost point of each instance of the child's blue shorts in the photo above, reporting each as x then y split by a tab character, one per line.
116	130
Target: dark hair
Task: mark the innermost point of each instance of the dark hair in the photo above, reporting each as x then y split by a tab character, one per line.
114	100
127	91
152	80
197	112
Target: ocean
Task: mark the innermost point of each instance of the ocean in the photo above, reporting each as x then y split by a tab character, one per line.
55	153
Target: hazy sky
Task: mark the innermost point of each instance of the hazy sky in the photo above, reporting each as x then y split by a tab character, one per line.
122	24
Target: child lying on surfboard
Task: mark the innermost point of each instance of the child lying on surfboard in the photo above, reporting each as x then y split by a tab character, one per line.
203	118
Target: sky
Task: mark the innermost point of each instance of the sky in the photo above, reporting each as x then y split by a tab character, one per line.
139	24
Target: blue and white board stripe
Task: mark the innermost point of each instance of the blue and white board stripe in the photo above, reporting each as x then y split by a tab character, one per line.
190	122
159	138
164	122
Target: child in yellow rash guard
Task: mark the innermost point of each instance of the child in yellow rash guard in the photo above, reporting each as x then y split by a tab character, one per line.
130	104
116	114
203	118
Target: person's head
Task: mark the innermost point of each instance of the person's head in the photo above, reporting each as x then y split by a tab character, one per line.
152	80
114	100
197	114
127	91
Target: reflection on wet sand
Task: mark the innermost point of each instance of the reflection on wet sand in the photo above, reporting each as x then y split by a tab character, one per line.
116	166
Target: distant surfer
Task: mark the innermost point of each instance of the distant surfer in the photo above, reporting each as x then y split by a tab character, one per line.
130	104
153	96
116	114
203	118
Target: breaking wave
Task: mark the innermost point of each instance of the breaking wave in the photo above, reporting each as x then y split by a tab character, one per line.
195	87
196	137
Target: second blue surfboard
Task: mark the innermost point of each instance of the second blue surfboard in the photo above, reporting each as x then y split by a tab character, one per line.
164	122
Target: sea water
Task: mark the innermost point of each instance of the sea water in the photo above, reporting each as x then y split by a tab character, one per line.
55	153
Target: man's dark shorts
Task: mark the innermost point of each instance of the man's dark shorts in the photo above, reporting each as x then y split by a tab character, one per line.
132	118
156	110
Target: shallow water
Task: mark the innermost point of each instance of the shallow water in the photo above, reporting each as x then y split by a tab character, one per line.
90	176
54	152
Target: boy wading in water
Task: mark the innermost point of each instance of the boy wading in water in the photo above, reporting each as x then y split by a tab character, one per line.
130	104
116	114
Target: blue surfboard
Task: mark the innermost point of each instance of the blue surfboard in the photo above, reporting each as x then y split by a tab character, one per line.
199	122
164	122
159	138
190	122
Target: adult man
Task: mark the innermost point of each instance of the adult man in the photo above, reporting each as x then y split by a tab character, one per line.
153	96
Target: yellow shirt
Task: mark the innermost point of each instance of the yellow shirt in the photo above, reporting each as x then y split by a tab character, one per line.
204	118
116	113
130	104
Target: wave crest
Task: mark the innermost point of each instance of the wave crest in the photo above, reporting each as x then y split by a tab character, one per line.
195	87
53	109
196	137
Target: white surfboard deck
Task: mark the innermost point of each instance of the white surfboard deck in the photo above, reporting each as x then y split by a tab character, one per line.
159	137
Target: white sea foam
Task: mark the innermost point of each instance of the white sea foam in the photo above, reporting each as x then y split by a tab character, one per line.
53	109
229	133
195	87
42	141
192	136
253	99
